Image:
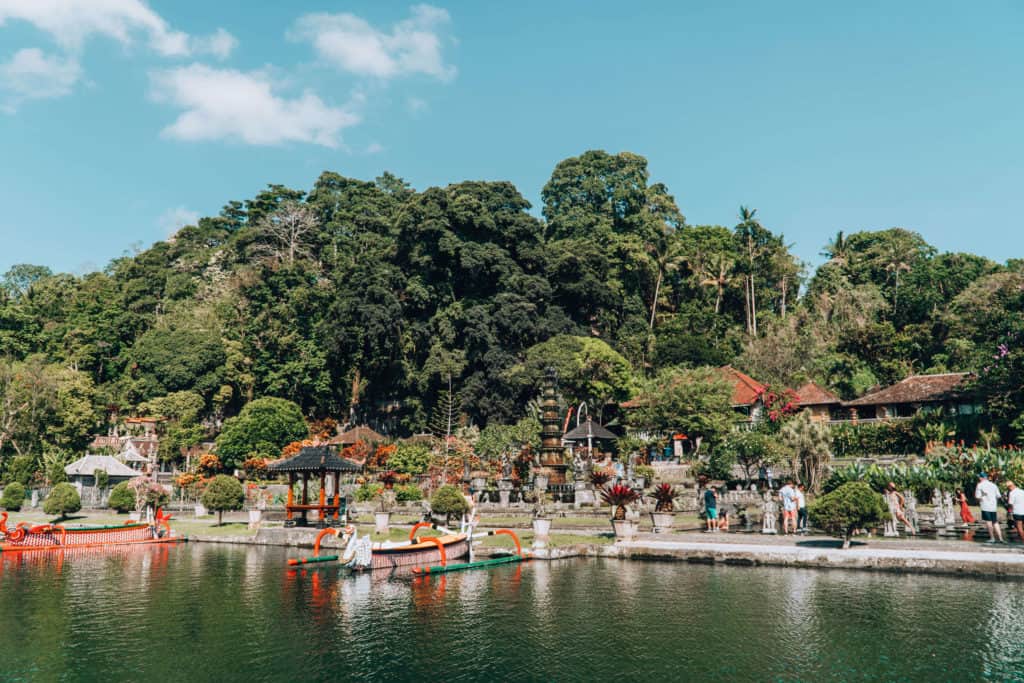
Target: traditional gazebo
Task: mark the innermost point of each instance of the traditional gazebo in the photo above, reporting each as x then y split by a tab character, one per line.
589	431
314	460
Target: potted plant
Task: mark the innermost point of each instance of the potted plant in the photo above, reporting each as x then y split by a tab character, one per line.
541	521
619	496
382	517
478	480
663	518
257	496
643	474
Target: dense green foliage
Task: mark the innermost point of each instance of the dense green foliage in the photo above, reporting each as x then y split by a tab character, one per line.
14	497
851	506
263	428
62	501
448	502
223	493
365	301
122	498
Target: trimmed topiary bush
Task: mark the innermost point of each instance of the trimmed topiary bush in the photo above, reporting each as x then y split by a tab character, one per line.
851	506
122	498
14	496
408	493
62	501
223	493
448	501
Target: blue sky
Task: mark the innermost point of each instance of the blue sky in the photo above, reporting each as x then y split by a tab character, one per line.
121	119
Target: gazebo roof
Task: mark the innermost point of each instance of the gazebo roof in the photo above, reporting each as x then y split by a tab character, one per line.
588	430
360	433
315	459
90	463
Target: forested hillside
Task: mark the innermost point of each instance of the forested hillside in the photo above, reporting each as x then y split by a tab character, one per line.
367	301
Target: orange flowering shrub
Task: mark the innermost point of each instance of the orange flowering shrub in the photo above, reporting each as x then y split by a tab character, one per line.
255	467
323	429
359	452
295	446
381	455
209	464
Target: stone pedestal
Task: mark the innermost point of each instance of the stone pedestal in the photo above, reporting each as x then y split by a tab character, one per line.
585	494
541	533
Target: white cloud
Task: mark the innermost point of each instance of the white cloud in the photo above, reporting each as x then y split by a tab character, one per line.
221	44
230	104
413	46
173	220
71	22
374	148
33	75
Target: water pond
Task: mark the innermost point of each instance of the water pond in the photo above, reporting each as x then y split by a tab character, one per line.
217	613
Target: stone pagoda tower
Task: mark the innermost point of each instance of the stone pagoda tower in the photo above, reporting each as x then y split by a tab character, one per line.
552	454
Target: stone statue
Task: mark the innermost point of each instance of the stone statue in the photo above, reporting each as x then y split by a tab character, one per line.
770	512
940	510
506	467
893	501
911	511
947	500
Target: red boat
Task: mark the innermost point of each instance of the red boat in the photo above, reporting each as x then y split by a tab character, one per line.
25	537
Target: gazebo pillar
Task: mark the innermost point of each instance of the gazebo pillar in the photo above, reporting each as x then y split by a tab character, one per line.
323	496
337	494
291	496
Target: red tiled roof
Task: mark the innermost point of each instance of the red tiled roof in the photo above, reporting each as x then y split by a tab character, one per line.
811	394
915	389
745	389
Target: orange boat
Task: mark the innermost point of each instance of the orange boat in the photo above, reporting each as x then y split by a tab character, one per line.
360	553
25	537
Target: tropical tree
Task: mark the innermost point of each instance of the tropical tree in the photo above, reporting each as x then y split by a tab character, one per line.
223	493
264	426
850	507
696	402
809	445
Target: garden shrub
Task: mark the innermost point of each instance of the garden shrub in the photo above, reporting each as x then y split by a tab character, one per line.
851	506
448	501
223	493
122	497
368	492
408	493
410	458
62	501
14	496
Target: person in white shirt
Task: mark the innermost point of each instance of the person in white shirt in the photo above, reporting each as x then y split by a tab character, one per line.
987	494
788	495
1015	498
801	508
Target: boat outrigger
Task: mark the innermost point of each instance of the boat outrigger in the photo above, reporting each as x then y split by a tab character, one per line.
25	537
425	554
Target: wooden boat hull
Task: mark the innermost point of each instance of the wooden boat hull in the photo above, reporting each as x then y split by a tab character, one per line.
48	537
421	554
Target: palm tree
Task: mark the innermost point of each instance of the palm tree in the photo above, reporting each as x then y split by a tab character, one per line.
810	445
666	257
717	274
837	250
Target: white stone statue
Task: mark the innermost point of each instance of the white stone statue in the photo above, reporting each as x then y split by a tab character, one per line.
940	510
894	503
911	510
770	510
947	503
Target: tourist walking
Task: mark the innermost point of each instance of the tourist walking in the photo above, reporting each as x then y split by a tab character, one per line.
762	477
1015	498
801	509
965	510
711	508
987	494
788	495
897	503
